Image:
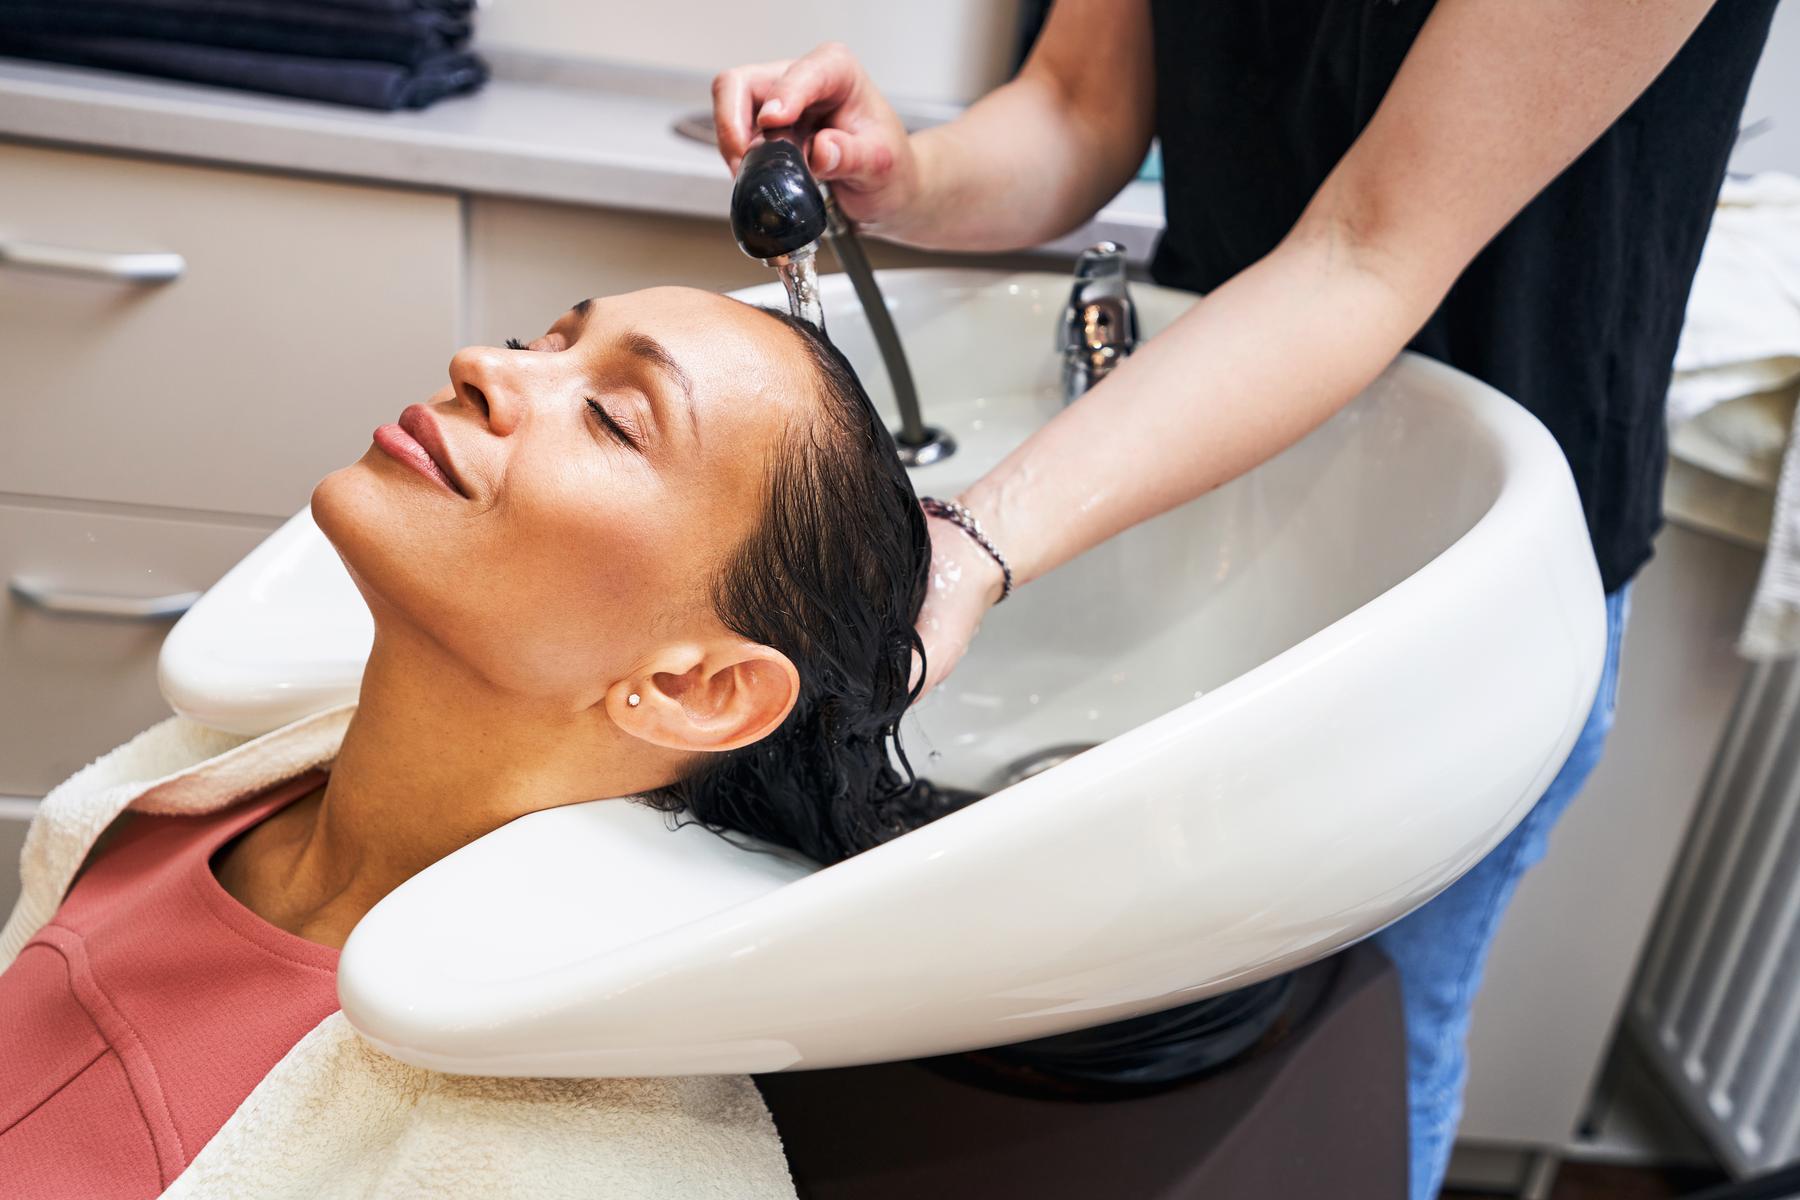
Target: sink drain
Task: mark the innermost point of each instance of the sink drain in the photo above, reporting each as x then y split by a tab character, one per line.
1041	761
926	801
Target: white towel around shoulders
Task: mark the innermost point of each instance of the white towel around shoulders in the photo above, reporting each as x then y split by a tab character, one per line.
338	1118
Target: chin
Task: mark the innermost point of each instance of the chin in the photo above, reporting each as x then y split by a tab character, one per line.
352	508
343	502
396	556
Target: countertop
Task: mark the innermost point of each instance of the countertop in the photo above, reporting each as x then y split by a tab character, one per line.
542	129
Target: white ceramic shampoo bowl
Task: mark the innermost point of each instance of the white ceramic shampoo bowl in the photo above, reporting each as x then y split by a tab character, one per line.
1320	694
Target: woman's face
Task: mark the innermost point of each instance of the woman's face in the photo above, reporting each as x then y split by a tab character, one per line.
593	484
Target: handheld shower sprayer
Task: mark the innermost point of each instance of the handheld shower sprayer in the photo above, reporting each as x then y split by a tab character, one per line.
779	214
777	207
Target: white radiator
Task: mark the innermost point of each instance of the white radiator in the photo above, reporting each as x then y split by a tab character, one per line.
1716	1005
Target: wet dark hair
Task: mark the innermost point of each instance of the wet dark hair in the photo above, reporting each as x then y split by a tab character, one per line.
833	578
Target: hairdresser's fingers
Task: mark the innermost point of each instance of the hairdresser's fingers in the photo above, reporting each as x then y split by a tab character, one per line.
962	586
736	95
942	659
863	161
942	652
819	82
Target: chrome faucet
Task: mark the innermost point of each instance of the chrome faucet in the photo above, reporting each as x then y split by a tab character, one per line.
779	213
1099	327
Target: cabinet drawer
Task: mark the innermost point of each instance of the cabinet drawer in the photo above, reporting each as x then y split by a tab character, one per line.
306	314
15	820
74	686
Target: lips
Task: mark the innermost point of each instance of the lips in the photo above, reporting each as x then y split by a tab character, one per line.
419	441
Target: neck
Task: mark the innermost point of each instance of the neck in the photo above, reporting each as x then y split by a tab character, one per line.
433	758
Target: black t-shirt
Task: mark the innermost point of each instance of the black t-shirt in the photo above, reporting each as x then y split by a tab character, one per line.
1573	310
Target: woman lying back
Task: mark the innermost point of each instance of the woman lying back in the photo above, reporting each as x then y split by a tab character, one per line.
664	550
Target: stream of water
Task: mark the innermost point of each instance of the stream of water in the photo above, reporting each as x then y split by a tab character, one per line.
800	277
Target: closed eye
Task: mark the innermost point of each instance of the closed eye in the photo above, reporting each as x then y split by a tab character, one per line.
614	428
621	434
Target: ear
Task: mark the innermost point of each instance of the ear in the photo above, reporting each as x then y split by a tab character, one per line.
706	696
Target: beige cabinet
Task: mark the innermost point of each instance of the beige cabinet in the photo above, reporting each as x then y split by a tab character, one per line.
304	314
75	682
153	432
529	261
15	820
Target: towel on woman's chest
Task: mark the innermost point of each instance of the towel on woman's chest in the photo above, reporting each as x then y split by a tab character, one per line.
336	1117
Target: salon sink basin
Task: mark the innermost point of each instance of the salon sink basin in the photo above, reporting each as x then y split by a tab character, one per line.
1314	697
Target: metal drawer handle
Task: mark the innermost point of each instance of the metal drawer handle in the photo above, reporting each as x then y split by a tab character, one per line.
145	266
99	604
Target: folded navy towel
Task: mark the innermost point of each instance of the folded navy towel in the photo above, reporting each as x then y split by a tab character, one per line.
449	6
379	85
457	8
273	26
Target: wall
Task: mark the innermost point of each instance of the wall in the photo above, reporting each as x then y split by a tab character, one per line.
938	50
1775	98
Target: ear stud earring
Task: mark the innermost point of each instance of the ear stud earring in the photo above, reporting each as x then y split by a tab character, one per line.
632	699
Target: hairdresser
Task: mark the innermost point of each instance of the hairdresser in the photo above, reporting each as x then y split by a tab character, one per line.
1520	190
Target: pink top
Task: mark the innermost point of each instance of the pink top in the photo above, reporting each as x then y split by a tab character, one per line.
139	1018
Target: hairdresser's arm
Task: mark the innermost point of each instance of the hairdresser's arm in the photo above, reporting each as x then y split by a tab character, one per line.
1027	163
1493	101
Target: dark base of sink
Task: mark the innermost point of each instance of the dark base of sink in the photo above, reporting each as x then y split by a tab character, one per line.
1320	1112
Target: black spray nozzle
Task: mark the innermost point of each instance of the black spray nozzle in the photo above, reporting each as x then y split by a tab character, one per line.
776	205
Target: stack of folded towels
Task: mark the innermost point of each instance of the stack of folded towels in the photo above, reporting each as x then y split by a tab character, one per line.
1734	404
385	54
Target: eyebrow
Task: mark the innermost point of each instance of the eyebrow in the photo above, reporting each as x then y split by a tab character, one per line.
653	352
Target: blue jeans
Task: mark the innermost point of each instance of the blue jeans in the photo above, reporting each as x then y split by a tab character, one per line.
1441	948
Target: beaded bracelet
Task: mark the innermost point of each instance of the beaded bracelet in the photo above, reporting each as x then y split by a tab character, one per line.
965	520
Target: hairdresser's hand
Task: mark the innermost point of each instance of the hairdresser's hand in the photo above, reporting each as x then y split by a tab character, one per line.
859	145
964	584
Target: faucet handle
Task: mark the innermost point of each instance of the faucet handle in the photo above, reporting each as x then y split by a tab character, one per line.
1100	326
1100	312
1102	260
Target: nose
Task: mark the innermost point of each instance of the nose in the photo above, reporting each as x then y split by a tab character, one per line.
494	382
